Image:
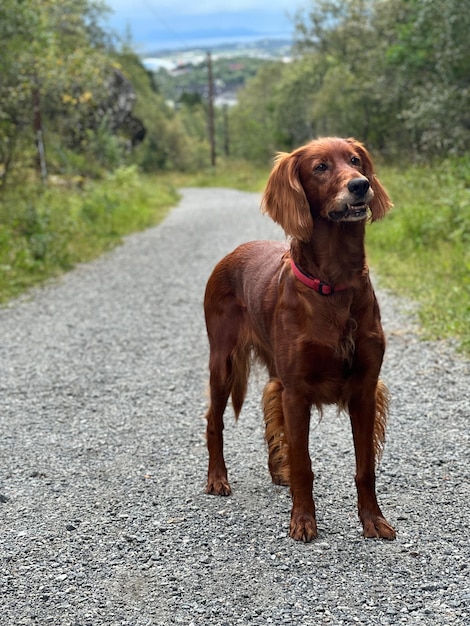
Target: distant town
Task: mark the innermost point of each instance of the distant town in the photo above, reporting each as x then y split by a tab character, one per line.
171	60
183	71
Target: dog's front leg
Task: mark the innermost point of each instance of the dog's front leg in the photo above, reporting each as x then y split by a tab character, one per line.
303	525
363	414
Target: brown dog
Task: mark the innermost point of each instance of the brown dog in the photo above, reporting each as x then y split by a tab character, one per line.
309	313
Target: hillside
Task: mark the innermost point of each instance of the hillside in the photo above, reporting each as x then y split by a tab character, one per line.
182	74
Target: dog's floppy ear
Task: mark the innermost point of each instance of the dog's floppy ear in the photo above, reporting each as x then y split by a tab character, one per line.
284	199
380	203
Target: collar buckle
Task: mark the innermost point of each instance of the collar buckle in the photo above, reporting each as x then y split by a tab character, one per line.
324	289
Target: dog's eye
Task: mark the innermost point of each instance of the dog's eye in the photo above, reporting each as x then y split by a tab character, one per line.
321	167
355	160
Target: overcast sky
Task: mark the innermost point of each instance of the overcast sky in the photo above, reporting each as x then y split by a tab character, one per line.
156	22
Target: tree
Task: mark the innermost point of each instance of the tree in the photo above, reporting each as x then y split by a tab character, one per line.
338	84
402	63
357	93
174	139
393	73
53	61
431	54
22	34
255	134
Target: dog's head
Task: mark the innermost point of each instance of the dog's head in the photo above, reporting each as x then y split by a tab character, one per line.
329	179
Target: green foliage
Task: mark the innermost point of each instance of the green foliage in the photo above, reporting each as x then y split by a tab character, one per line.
44	231
422	248
174	140
95	109
253	128
229	172
392	73
54	77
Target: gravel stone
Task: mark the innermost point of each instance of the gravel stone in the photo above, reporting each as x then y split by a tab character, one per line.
102	509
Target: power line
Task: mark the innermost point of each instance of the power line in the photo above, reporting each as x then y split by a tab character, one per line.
211	113
211	108
167	26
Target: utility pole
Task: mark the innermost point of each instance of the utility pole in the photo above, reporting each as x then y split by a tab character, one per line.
226	132
211	109
38	135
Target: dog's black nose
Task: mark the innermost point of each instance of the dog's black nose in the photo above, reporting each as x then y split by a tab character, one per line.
358	186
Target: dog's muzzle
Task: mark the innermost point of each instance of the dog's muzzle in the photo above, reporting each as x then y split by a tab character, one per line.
351	213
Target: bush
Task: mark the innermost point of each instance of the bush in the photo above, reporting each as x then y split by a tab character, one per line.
45	231
422	248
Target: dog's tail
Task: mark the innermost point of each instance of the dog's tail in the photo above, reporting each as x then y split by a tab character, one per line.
275	434
241	365
382	406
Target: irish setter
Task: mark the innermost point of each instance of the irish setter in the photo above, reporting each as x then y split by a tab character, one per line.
308	311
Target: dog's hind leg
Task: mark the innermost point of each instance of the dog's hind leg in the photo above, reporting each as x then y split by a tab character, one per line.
217	482
228	365
278	461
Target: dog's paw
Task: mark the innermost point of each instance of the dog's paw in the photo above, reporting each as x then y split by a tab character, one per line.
303	528
218	487
379	528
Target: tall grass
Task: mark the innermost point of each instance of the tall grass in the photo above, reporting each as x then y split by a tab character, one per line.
45	231
422	248
233	173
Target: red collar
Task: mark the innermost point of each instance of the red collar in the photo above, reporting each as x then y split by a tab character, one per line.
324	289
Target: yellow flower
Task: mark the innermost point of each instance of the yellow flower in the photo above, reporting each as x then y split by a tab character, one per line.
86	96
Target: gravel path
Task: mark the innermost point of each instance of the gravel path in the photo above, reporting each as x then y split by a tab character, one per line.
102	513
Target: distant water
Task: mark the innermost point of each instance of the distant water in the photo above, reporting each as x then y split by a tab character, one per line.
208	44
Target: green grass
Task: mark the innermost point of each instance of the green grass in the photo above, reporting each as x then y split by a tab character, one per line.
421	250
46	231
227	173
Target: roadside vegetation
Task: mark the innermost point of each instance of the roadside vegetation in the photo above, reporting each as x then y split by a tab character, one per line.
52	229
421	250
90	148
